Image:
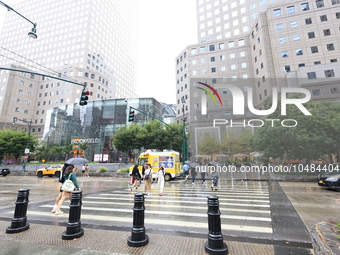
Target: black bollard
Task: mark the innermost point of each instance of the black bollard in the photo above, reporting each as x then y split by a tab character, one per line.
215	244
73	229
19	222
138	237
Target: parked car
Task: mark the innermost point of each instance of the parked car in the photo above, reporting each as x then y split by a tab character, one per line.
4	171
329	180
49	171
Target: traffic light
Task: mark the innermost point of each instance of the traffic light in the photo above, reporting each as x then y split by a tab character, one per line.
84	97
131	115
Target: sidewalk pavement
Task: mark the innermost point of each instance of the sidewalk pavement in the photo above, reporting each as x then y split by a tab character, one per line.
46	239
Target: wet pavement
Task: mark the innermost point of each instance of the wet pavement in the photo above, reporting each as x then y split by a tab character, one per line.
260	217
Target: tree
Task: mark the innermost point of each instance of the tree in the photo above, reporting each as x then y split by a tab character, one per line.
15	142
209	145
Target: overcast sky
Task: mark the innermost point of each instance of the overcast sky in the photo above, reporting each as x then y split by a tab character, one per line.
165	29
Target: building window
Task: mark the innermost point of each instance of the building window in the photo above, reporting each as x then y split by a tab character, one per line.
316	92
308	21
212	59
231	44
263	78
202	49
262	65
305	7
241	42
326	32
212	47
337	15
277	12
330	46
284	54
311	75
323	17
317	63
319	3
335	90
193	51
290	9
279	26
329	73
314	49
311	35
293	23
299	52
302	64
296	37
213	69
333	60
335	2
287	68
282	40
221	46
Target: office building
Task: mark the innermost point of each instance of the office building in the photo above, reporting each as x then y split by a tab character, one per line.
88	41
255	45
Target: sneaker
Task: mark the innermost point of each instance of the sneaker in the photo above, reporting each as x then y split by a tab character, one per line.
54	209
59	212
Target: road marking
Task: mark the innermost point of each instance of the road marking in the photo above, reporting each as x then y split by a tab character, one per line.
163	222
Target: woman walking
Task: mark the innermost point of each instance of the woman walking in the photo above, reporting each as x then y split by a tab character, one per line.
148	179
160	178
135	176
68	175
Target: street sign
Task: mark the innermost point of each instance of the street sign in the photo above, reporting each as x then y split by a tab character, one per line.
27	151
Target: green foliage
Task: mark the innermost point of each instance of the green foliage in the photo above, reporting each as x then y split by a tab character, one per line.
102	170
209	145
313	137
153	135
123	170
14	142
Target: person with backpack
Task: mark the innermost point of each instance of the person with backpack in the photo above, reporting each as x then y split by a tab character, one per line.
135	176
148	179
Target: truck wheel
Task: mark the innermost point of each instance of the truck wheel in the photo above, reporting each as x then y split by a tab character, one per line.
40	174
57	174
167	177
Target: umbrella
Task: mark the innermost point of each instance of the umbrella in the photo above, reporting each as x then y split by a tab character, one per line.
194	164
240	155
75	161
215	163
257	154
187	162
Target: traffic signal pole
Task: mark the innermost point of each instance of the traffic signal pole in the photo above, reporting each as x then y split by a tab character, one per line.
184	136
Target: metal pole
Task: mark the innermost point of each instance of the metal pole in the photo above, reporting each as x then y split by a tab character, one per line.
215	244
19	222
138	237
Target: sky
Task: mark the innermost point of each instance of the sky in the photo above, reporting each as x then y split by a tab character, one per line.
165	29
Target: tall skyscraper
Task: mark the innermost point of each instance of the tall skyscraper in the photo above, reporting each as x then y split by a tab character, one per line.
89	41
255	45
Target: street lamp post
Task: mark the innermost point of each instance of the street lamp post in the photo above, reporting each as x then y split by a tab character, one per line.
27	150
184	146
32	33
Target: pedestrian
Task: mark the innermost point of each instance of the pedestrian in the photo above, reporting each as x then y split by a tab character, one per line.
69	174
193	174
83	171
160	179
61	180
203	170
215	177
87	171
148	179
186	171
135	177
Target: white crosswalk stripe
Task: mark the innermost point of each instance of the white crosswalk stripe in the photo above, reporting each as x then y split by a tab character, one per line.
241	209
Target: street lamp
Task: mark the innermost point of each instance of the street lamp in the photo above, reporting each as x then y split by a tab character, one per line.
27	150
33	32
184	146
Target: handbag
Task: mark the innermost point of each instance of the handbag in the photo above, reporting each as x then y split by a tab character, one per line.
68	185
147	176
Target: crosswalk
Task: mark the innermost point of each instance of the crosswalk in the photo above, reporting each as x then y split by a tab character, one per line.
244	206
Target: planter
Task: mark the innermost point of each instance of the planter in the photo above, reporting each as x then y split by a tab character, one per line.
324	237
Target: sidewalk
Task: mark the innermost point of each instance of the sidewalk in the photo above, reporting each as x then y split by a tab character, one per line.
44	239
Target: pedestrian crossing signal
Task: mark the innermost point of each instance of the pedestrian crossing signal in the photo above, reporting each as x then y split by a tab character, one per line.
131	115
84	97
